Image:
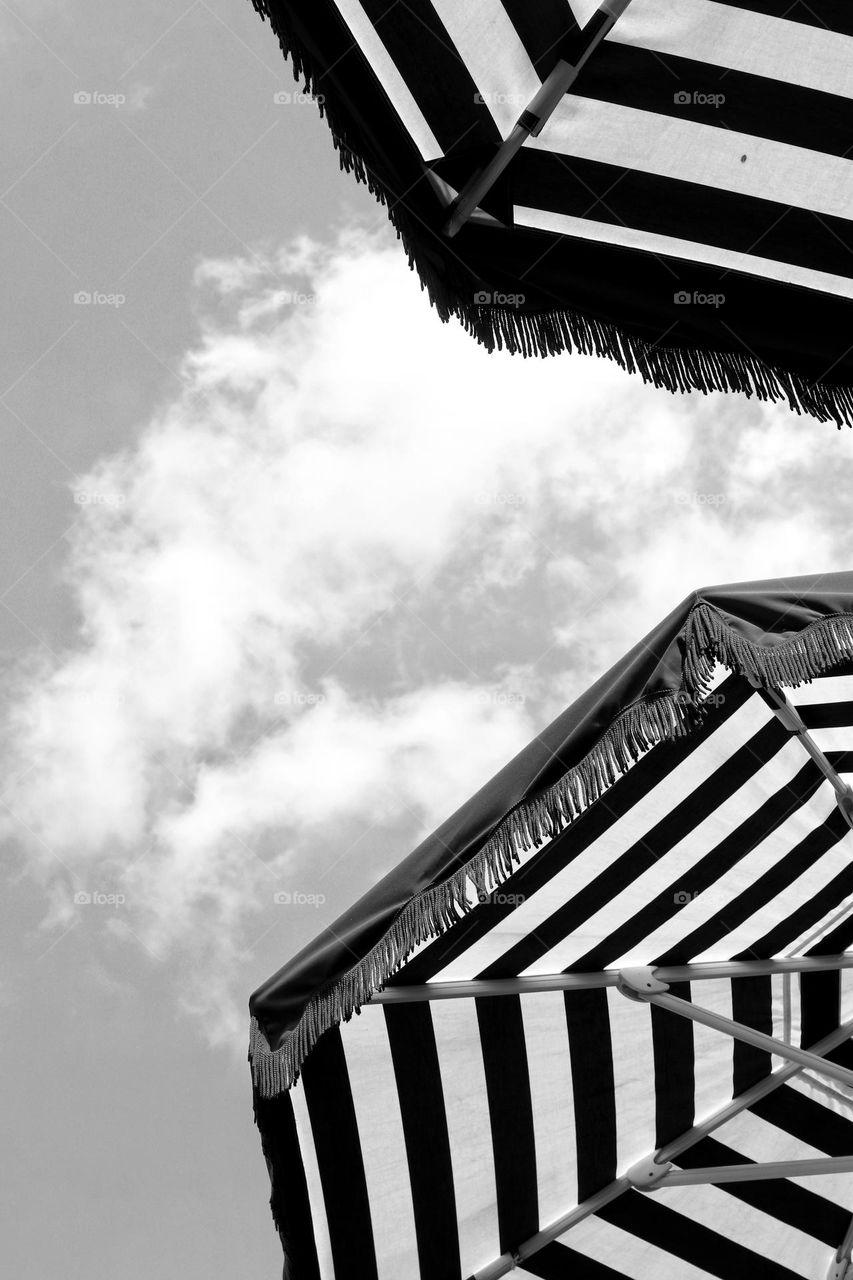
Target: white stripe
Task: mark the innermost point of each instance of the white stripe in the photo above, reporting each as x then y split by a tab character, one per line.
701	153
725	36
315	1187
650	809
692	250
673	869
552	1097
744	1225
633	1078
762	1141
463	1079
377	56
825	689
383	1146
713	1056
802	890
725	891
496	59
627	1254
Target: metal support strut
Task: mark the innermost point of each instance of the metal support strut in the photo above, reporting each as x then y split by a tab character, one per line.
535	115
790	718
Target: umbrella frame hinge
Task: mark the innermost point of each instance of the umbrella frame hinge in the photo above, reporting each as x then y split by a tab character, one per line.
640	983
647	1174
840	1269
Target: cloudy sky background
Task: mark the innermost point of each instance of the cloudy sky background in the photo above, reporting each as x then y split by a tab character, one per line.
287	570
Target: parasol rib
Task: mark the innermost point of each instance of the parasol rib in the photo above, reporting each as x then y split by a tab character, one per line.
788	715
712	970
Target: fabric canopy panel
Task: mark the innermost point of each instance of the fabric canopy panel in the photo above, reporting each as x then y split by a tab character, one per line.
685	210
678	842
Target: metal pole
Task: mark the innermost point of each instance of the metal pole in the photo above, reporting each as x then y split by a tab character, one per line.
643	984
532	120
793	722
475	987
507	1261
758	1172
749	1097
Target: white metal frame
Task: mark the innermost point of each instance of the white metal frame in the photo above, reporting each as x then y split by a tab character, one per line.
651	986
790	717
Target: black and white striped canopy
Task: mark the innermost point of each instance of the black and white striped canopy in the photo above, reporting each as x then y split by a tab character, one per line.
686	822
686	210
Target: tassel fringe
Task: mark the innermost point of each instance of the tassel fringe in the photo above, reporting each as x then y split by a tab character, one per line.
544	333
651	720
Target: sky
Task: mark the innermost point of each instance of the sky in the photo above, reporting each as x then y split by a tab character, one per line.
288	569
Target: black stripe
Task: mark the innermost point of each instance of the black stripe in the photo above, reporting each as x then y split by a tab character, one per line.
548	30
648	773
418	1075
593	1089
651	1220
558	1262
684	210
779	1198
675	1085
511	1117
762	890
828	715
754	105
839	939
733	848
417	42
752	1004
833	15
289	1199
820	1005
807	1120
325	1080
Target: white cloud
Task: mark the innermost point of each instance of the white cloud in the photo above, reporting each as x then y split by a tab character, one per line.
346	575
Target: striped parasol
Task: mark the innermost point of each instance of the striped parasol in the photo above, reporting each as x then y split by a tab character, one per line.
667	185
606	1009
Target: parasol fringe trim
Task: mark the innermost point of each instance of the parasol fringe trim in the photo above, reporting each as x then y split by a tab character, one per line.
655	718
673	369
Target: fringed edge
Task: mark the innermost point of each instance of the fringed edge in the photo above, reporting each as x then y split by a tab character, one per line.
552	332
651	720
